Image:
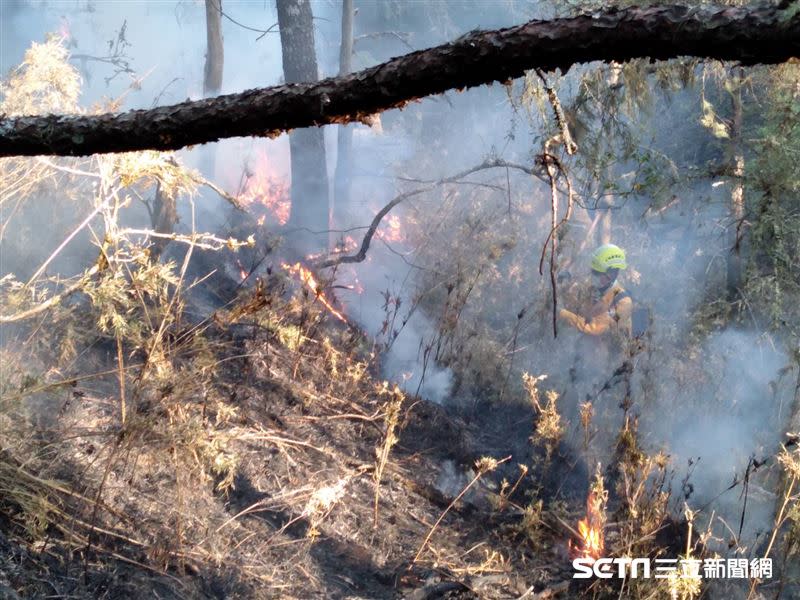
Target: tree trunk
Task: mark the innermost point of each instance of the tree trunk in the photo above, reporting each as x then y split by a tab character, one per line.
341	196
764	34
163	220
309	191
212	79
215	52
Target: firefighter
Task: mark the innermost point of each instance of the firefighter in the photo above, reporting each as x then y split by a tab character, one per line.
610	308
602	372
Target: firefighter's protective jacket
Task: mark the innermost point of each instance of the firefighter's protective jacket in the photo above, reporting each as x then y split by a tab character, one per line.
611	312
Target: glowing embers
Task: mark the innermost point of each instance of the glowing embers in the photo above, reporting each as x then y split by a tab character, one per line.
591	528
308	279
265	193
355	286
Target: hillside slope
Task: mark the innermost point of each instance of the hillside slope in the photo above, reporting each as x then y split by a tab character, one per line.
248	471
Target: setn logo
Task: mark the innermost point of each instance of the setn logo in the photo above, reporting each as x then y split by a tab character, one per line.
604	568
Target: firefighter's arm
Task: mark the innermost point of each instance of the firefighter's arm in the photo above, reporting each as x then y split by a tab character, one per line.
598	325
625	309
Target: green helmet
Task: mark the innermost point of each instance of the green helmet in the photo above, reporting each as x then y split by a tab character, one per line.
608	256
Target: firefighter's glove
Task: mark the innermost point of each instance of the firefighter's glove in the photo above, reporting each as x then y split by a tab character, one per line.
572	319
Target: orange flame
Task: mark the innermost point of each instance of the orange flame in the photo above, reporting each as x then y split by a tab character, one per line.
354	287
311	283
243	273
590	528
592	539
266	192
346	245
392	231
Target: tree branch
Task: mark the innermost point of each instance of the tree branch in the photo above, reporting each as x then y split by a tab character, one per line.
233	200
53	300
402	36
764	34
561	120
366	241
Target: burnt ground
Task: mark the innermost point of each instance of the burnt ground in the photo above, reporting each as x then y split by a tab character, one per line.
476	550
304	423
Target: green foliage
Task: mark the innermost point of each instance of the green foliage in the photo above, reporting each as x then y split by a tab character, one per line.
774	201
532	524
134	304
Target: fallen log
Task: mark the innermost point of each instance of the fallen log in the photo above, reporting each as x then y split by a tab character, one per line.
764	34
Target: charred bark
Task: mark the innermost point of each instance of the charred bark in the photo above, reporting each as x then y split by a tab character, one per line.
163	218
749	35
309	192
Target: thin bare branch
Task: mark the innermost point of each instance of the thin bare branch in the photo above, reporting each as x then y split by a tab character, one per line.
561	120
366	241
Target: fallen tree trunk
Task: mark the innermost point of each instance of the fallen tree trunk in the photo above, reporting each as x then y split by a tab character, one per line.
765	34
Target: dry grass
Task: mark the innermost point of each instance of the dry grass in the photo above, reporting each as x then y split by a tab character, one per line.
549	425
43	83
391	418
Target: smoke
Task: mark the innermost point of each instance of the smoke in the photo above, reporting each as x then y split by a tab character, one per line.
451	479
405	331
715	400
714	429
163	45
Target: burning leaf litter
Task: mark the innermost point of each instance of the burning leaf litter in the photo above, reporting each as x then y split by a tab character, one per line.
307	278
592	527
